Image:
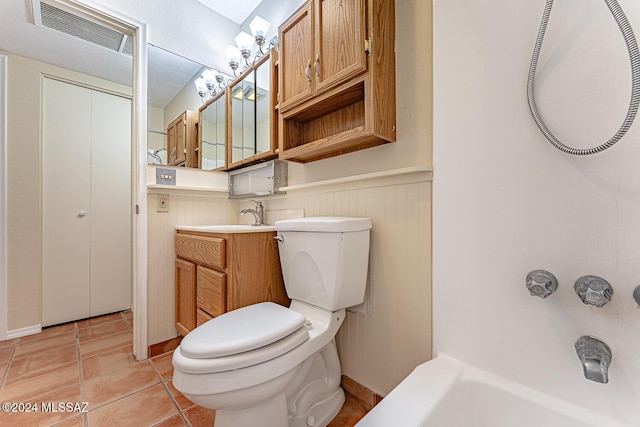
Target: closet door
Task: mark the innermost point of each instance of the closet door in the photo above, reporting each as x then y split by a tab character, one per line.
111	288
66	145
86	203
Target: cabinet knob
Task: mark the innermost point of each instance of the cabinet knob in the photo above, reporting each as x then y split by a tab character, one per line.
82	214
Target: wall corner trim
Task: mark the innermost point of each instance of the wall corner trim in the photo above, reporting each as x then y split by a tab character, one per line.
4	333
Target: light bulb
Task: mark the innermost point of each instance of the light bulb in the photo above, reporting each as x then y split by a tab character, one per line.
201	86
233	54
244	42
209	78
259	27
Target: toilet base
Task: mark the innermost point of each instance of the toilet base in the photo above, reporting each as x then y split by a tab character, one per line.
321	414
315	396
271	412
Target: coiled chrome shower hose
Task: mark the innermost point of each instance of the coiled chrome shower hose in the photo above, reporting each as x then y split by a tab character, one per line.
634	56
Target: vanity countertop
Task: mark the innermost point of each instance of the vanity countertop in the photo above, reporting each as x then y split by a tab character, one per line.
238	228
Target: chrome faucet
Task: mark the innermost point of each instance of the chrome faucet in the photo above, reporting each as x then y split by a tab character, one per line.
258	213
595	357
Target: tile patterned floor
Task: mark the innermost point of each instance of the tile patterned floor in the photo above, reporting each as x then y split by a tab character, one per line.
91	361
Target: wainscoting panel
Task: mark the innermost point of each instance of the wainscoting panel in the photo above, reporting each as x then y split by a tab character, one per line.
184	209
380	344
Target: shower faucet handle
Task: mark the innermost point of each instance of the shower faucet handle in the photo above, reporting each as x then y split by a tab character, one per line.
541	283
593	290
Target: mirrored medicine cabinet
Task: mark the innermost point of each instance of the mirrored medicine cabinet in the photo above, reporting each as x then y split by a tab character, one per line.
234	128
253	115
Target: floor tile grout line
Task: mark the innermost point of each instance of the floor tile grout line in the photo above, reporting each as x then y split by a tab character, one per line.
99	324
124	396
105	336
79	358
85	420
175	403
6	370
126	321
171	396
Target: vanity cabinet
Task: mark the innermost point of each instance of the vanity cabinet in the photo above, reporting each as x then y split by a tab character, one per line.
220	272
182	140
253	114
337	78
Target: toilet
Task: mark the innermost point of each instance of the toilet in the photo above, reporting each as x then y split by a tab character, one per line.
269	365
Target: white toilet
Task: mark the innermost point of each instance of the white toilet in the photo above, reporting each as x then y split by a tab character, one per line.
268	365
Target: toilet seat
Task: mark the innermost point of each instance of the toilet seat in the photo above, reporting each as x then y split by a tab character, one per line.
243	337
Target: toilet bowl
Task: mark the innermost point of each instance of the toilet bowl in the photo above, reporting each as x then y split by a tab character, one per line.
274	366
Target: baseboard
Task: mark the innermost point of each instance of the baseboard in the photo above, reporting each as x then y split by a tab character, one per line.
23	332
164	346
359	392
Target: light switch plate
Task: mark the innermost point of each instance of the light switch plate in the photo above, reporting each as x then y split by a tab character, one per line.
165	176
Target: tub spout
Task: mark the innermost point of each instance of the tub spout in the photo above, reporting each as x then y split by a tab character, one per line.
595	357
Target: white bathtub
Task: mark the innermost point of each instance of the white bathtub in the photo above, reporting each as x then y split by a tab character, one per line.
444	392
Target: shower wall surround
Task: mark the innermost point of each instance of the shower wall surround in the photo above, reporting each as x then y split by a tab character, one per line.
506	202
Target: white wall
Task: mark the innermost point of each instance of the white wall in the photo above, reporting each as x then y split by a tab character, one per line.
506	202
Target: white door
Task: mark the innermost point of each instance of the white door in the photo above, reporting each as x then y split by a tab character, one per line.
86	202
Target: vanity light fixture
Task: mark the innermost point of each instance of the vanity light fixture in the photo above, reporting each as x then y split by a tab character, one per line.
242	52
244	45
211	83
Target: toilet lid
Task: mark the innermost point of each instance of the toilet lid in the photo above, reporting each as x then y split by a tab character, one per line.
241	330
242	360
324	224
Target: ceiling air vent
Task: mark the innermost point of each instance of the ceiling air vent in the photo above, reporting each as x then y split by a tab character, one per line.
61	20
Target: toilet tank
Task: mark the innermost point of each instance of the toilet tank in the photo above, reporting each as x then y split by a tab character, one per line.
325	260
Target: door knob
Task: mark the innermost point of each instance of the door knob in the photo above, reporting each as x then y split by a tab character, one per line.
82	214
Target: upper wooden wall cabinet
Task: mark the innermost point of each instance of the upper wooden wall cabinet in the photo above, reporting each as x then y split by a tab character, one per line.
337	78
182	140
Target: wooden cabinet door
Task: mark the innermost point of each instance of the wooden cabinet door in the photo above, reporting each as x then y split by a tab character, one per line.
296	58
176	140
340	33
212	291
190	129
185	296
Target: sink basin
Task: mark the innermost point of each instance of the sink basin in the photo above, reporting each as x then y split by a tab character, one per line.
238	228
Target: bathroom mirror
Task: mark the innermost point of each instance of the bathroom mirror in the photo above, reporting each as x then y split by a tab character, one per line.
170	92
252	115
213	132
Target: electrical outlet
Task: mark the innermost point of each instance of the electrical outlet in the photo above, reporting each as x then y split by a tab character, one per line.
163	203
